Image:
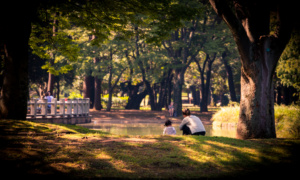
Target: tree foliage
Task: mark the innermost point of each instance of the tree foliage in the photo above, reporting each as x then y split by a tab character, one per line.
289	64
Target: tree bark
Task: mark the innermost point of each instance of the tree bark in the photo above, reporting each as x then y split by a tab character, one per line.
51	78
179	81
259	53
89	89
206	91
15	30
134	96
229	77
97	92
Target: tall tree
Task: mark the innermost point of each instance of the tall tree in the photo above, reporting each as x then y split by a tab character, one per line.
260	51
205	83
15	30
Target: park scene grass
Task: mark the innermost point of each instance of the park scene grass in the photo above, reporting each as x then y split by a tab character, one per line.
38	150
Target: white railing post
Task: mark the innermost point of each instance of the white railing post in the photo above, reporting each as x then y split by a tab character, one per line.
44	107
69	108
75	107
33	107
53	106
84	107
62	108
80	102
87	106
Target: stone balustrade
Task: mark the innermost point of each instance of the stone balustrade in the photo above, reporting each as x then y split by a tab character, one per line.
62	110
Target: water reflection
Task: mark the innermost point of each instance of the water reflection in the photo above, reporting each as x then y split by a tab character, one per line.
152	129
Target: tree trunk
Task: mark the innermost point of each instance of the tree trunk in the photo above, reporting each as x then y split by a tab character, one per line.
257	103
14	35
135	100
179	80
229	77
110	89
205	86
97	92
97	96
260	52
132	92
203	103
109	103
58	87
51	78
88	89
195	95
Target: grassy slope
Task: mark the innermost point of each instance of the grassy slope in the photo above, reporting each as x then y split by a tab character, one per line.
48	151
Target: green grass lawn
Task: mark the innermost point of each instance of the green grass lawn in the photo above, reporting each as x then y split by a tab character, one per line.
37	150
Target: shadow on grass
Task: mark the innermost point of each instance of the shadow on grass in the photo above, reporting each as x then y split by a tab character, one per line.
52	156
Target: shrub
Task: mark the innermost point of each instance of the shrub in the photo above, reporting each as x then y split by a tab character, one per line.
74	95
116	101
287	119
227	114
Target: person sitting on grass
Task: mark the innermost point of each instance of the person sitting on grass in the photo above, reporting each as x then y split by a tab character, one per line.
191	124
169	129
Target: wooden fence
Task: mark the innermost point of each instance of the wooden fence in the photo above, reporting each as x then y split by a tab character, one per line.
63	108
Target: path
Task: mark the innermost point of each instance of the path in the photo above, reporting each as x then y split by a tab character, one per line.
142	116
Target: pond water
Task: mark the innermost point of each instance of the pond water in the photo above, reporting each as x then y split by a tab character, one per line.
152	129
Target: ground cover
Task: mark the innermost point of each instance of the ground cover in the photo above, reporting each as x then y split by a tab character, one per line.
37	150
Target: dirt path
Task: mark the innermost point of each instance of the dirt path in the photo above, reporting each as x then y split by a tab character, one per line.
142	116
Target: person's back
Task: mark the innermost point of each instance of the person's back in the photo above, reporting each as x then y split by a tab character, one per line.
169	131
195	124
191	124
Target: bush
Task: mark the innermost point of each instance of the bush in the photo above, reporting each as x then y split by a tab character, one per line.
74	95
116	101
287	119
227	114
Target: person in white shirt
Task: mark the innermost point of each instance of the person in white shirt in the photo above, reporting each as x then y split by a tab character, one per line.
169	129
191	124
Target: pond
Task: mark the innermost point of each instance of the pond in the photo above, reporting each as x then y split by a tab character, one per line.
152	129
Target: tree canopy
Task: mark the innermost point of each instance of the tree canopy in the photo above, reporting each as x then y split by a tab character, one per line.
136	48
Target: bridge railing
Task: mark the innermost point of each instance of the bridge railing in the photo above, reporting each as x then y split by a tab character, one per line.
62	108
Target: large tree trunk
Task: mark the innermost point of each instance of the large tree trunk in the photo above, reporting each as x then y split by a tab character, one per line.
259	53
15	30
257	103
